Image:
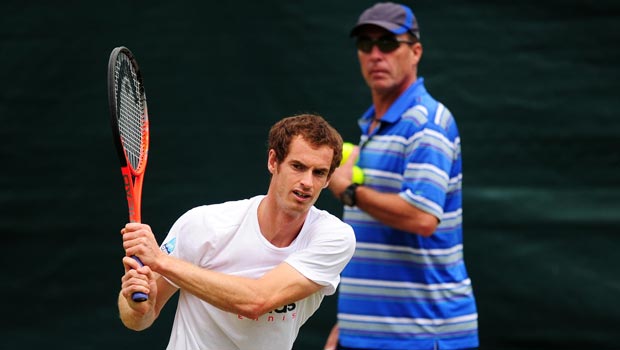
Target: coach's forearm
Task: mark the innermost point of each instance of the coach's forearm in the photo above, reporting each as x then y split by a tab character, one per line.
394	211
134	319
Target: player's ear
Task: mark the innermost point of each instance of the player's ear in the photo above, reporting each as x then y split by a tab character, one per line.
272	161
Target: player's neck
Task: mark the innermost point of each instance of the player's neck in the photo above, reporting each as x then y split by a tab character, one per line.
276	225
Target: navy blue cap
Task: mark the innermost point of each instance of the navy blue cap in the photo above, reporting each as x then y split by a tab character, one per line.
396	18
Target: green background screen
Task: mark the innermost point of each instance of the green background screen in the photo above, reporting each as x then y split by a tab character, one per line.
532	85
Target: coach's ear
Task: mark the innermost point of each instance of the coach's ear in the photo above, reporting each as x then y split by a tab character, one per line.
272	161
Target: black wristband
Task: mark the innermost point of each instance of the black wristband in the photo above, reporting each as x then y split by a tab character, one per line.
348	196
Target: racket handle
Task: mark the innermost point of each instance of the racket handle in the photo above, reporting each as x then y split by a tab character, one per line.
139	297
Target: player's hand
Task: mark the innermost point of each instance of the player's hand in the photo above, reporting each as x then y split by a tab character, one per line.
138	279
139	240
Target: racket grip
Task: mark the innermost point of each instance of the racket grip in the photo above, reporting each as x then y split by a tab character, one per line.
139	297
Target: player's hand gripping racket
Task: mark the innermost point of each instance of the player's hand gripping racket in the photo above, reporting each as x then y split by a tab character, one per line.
130	127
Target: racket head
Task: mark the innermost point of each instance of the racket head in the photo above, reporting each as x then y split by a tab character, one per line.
128	110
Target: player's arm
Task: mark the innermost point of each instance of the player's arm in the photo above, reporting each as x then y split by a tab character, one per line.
245	296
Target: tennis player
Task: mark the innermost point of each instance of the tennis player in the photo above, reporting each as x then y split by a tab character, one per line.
250	272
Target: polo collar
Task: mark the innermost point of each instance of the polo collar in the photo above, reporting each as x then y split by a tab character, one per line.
402	104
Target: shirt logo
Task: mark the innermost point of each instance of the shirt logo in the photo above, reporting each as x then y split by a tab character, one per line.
169	246
284	313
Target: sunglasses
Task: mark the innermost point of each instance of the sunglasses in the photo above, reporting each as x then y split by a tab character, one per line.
385	44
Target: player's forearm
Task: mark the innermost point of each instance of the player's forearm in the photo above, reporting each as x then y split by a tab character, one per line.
229	293
134	319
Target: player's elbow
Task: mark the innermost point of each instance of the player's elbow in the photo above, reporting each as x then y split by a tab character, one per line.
251	313
134	320
134	327
135	324
256	308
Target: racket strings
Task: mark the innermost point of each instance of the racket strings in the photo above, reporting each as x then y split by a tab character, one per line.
132	122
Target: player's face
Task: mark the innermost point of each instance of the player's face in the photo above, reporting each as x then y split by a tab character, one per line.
299	179
389	72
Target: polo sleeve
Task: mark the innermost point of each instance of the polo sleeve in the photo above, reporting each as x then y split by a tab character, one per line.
427	172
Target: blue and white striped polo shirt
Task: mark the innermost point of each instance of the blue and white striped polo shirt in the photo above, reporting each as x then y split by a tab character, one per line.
402	290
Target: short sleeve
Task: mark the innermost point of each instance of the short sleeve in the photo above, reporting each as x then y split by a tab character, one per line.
329	250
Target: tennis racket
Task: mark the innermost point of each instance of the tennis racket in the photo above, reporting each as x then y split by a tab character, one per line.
130	128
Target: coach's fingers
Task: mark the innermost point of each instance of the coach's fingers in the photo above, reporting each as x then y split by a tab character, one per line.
352	158
332	339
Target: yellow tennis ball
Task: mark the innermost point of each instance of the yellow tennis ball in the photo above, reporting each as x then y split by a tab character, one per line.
358	175
347	148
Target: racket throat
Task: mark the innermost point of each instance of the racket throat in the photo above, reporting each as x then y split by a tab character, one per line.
133	198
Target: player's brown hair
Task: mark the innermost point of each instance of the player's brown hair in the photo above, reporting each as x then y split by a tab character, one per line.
313	128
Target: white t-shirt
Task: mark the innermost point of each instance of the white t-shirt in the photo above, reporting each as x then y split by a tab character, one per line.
226	237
